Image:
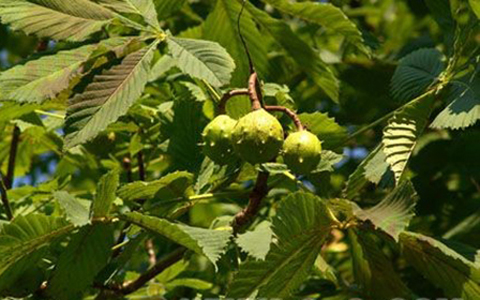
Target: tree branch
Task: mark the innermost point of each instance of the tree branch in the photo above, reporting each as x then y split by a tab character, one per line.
12	157
6	203
227	96
130	287
254	92
260	190
290	113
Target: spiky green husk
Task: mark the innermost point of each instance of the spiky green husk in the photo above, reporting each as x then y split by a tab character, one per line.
302	152
257	137
217	137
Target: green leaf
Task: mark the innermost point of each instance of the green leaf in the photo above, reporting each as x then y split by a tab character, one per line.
166	8
144	8
108	97
185	135
403	129
394	212
226	13
373	270
169	186
326	15
372	169
442	14
330	133
86	255
76	210
106	194
327	161
308	60
300	227
193	283
44	78
256	242
210	243
475	5
464	108
415	73
27	234
442	266
202	59
55	19
162	66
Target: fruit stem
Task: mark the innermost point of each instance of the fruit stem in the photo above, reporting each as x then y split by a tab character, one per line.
253	92
223	101
290	113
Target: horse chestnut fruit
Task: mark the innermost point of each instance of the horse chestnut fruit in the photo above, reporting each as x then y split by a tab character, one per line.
257	137
217	137
302	152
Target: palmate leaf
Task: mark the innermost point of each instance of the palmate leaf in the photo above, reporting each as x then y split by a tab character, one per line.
56	19
392	214
226	13
442	266
208	242
301	52
403	129
415	72
373	270
464	108
86	255
108	97
22	239
326	15
372	169
300	227
202	59
106	194
328	131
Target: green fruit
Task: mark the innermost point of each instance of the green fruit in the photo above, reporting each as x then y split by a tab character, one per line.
257	137
217	137
302	152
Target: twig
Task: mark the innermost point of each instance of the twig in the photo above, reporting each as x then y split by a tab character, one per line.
290	113
253	92
130	287
152	258
12	157
223	101
260	190
6	203
141	166
127	165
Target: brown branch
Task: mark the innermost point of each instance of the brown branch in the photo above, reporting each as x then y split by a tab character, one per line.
290	113
260	190
227	96
12	157
6	203
132	286
254	92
